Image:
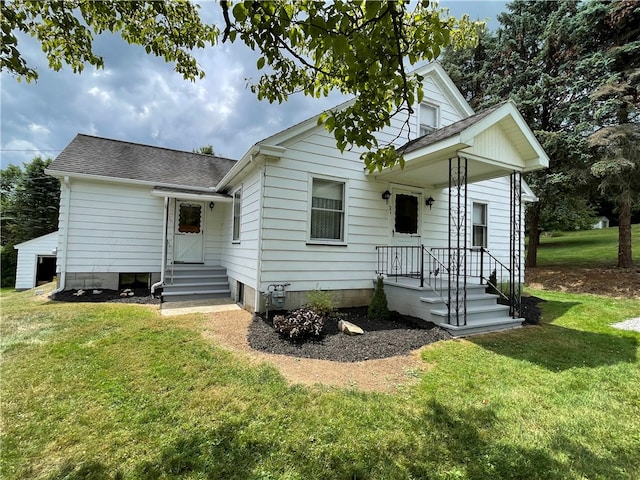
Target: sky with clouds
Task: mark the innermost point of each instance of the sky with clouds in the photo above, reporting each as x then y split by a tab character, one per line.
140	98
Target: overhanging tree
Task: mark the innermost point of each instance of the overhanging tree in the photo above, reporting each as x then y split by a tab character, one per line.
314	47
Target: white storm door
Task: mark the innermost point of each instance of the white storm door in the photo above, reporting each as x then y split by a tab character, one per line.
406	218
189	232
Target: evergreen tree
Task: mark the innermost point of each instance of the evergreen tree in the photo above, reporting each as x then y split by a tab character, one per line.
609	87
29	209
530	60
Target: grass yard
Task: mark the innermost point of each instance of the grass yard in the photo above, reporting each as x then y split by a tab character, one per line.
585	248
108	391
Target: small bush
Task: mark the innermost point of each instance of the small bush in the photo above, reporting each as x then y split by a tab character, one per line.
378	308
321	302
299	324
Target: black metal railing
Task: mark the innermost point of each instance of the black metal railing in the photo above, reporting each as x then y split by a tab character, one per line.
414	261
480	263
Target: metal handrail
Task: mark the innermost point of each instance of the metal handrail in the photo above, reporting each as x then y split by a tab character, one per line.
413	261
479	262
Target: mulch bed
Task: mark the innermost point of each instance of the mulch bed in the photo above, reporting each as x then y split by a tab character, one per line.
140	296
382	338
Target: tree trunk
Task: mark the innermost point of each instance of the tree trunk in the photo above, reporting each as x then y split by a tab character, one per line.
533	220
625	260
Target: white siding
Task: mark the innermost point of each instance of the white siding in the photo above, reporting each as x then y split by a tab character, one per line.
286	253
113	227
240	258
28	253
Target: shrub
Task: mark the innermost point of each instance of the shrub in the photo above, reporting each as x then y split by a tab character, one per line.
298	324
321	302
378	308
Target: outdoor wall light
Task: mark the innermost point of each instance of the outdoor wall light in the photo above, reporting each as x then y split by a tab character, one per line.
429	202
386	195
211	205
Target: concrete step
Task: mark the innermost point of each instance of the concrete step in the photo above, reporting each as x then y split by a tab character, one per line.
195	296
196	286
485	326
477	314
192	279
473	300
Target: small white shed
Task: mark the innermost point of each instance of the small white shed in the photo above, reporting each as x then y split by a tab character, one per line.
603	222
36	261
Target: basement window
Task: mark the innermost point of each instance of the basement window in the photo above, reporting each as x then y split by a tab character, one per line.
134	280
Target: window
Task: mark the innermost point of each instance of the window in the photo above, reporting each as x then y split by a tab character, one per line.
406	214
327	210
189	218
479	225
428	119
134	280
237	197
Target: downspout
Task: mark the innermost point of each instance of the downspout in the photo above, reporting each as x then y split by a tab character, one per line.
163	265
66	185
258	293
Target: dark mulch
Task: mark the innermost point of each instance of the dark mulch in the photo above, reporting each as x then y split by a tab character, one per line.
140	296
382	339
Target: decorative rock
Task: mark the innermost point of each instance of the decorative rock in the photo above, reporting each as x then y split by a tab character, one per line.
79	293
349	328
96	292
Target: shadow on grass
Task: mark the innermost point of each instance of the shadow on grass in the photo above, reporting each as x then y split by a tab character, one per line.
467	446
560	348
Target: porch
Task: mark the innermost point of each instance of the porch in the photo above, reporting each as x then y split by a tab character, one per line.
466	291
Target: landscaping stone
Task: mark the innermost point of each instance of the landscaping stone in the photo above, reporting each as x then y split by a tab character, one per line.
349	328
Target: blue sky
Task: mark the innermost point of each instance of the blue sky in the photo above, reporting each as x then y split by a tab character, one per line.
139	98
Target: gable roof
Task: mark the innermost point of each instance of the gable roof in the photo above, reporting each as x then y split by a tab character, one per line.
448	131
433	70
494	142
95	157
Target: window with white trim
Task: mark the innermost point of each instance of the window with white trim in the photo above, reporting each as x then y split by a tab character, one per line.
479	225
237	203
327	210
428	119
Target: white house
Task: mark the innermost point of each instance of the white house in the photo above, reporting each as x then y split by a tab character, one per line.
295	210
36	261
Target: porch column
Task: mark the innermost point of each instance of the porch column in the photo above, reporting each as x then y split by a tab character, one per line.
515	246
457	262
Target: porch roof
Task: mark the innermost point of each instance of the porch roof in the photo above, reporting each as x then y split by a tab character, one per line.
496	142
196	194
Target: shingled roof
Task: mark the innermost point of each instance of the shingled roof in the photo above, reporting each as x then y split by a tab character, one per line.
103	157
448	131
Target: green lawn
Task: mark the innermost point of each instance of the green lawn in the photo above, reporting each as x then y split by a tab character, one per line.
586	248
107	391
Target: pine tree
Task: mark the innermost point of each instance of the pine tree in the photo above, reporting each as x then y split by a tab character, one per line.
378	308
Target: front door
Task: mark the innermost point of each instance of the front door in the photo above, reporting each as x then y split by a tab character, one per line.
189	232
406	224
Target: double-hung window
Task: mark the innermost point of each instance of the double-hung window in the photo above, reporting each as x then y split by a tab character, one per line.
237	203
428	118
327	210
479	225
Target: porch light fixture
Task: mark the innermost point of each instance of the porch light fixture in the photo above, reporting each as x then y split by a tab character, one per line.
429	202
386	195
211	205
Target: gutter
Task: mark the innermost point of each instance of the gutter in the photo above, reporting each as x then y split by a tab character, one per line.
62	279
163	265
249	158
